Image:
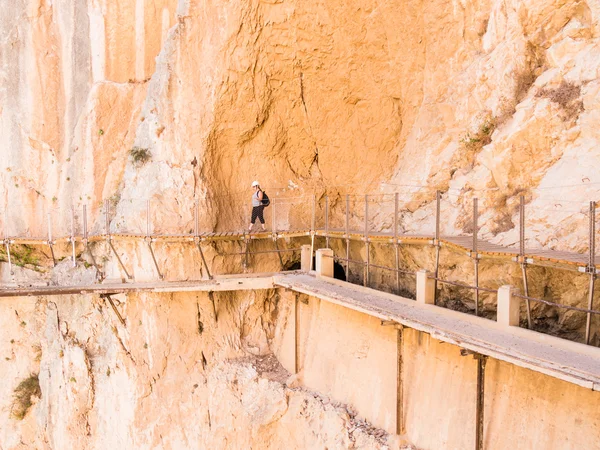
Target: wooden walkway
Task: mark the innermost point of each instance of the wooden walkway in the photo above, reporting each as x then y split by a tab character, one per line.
465	243
242	282
460	243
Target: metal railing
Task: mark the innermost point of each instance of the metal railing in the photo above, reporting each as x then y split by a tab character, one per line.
380	218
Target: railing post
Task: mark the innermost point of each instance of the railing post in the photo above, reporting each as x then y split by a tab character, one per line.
7	242
85	228
508	307
367	249
313	230
347	233
50	242
591	269
147	218
522	258
273	219
99	274
438	201
107	218
73	235
396	244
327	221
474	253
196	219
425	288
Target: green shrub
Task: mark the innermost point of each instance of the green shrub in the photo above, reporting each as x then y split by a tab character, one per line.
140	156
28	388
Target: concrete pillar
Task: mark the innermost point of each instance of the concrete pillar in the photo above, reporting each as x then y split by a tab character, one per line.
508	307
425	288
325	262
305	258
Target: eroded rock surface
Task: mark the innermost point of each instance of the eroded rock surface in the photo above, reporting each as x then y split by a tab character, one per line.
174	377
491	99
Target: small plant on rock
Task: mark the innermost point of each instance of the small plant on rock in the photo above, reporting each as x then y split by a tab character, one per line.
482	137
28	388
140	156
567	96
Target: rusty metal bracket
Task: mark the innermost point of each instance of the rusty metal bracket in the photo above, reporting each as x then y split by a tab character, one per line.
245	262
114	308
109	240
400	380
50	242
197	240
8	256
278	254
149	241
481	360
212	299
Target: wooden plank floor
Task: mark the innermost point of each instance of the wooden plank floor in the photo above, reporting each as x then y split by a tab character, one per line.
465	243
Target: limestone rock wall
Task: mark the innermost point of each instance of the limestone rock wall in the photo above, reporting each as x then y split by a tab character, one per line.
187	101
173	377
489	99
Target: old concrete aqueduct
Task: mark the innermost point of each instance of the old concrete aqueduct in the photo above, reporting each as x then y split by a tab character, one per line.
426	278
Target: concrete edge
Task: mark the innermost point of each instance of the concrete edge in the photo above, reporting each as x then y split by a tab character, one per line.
539	365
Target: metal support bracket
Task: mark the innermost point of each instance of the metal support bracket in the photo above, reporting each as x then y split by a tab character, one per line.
7	243
588	270
474	255
109	240
245	262
481	360
400	380
148	239
114	308
87	248
197	240
278	254
51	245
212	300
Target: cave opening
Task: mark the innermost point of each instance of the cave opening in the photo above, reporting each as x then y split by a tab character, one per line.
339	273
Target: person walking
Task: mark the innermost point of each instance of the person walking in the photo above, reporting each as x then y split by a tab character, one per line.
257	206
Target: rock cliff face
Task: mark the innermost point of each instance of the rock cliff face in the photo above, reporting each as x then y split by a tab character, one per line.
178	102
181	374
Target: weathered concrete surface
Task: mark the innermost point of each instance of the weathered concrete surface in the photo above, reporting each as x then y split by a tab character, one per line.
528	408
576	363
439	389
537	411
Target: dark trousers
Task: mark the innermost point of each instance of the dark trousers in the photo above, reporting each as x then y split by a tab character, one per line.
257	213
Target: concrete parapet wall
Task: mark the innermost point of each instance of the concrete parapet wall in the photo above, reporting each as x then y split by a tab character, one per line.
439	387
350	357
345	355
530	410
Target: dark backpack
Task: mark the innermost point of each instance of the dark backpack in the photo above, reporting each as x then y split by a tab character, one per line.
265	200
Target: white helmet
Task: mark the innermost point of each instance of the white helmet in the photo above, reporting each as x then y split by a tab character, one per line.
255	183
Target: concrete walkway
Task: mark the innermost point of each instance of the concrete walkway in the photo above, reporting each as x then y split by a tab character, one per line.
566	360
